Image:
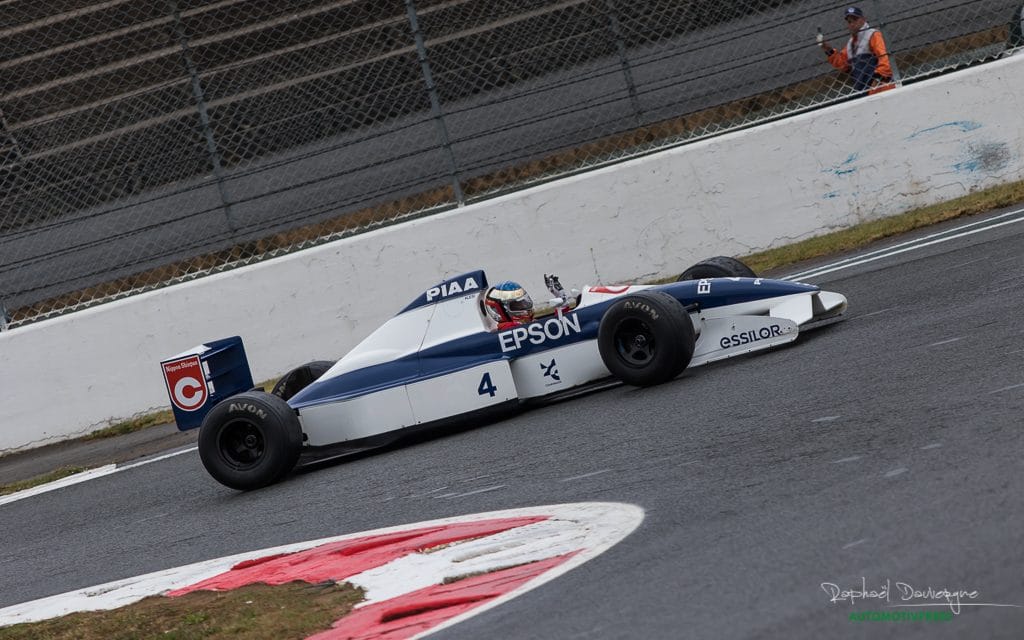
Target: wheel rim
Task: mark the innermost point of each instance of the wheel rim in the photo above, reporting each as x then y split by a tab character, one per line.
241	444
634	342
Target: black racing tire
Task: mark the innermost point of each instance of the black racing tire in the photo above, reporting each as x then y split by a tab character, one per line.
717	267
646	338
250	440
299	378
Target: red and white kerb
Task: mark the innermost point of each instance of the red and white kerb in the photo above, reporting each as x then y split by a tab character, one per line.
414	576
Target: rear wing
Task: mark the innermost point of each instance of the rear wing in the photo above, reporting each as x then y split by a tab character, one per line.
204	375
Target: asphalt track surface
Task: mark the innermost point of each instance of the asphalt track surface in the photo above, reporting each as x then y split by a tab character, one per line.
884	447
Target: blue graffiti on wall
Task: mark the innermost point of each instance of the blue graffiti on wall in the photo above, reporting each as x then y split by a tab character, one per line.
845	167
963	125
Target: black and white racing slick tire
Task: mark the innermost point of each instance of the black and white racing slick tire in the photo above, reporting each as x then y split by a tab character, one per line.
250	440
299	378
646	338
717	267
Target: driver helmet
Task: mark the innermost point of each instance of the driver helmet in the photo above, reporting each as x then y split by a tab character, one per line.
508	302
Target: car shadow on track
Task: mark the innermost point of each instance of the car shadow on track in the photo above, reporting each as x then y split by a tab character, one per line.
410	437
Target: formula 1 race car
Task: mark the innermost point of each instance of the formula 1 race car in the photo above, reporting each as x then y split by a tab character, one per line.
442	358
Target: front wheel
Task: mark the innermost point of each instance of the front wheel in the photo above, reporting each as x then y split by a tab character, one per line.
299	378
646	338
717	267
250	440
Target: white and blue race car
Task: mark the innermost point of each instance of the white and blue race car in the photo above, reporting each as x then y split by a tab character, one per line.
442	358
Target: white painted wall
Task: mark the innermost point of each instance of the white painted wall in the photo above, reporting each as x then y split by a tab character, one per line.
734	194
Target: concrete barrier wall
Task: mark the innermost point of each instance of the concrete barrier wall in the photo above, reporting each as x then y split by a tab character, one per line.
738	193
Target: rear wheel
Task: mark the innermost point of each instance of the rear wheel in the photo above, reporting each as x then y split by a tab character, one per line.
299	378
717	267
250	440
646	338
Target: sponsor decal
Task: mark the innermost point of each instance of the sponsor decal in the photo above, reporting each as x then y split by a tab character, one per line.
750	337
186	383
446	289
641	306
703	287
539	332
550	370
417	578
248	408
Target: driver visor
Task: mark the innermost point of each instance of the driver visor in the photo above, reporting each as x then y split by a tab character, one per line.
523	303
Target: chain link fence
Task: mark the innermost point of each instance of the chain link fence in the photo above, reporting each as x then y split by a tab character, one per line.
144	142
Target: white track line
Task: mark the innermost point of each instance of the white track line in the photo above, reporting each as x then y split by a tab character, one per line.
484	490
85	476
157	459
585	475
1012	386
935	238
850	459
77	478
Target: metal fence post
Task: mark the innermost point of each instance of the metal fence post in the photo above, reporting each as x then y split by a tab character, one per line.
435	102
627	71
8	141
204	116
